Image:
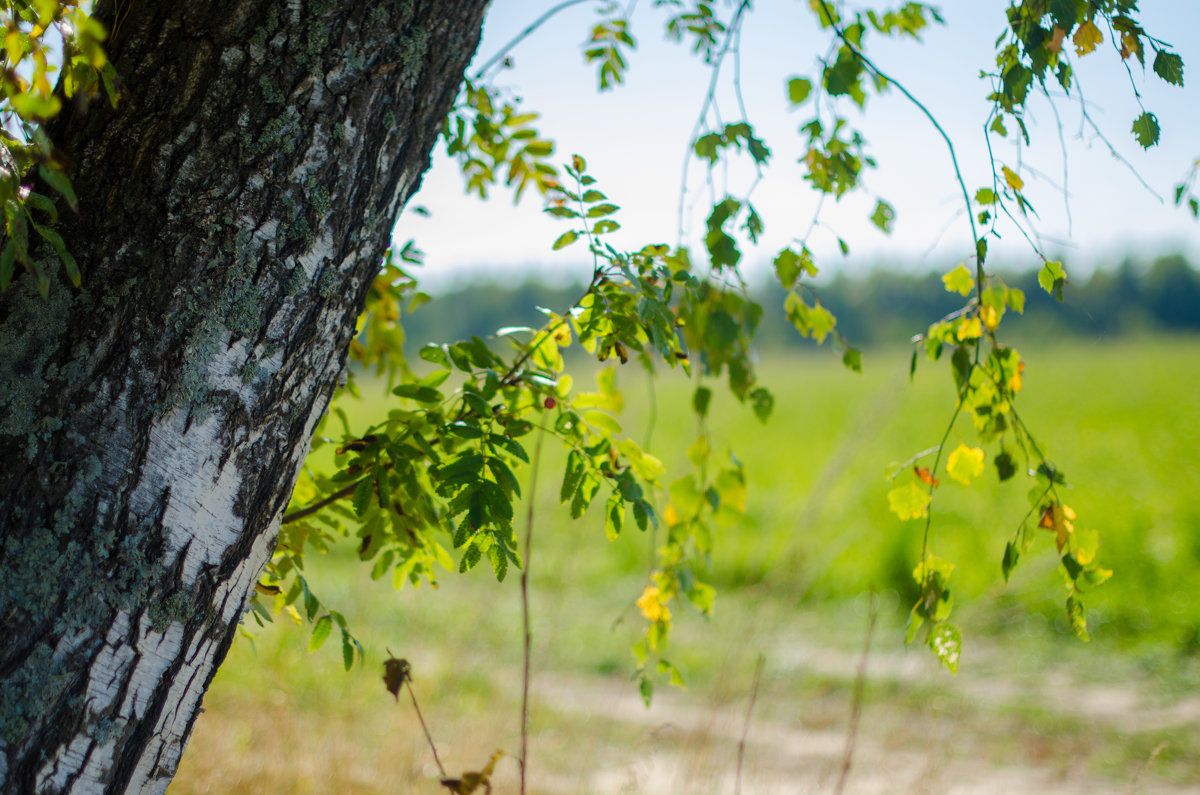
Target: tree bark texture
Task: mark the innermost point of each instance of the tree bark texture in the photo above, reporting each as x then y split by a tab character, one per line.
234	209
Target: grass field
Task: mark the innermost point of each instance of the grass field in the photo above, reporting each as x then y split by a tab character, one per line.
1032	710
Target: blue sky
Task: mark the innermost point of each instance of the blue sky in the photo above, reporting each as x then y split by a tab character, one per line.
635	139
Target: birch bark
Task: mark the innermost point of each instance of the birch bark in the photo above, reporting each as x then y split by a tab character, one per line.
234	208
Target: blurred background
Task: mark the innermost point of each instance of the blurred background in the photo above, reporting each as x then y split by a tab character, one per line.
1112	389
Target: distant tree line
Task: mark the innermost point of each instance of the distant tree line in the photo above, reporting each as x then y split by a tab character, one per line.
884	306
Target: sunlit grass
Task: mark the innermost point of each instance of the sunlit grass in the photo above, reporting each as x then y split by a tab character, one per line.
1122	419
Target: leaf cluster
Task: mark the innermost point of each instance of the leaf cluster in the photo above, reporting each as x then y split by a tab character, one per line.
28	160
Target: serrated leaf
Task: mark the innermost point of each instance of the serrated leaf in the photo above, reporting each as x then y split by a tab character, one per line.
364	493
1087	37
946	642
908	501
565	239
965	464
884	216
320	632
1014	181
1169	67
1145	130
959	281
1052	277
798	89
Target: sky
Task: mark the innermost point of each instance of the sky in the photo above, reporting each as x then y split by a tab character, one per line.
635	139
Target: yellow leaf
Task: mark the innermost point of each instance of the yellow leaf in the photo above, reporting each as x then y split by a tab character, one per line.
971	329
908	501
1010	176
990	317
965	464
670	515
651	605
1086	38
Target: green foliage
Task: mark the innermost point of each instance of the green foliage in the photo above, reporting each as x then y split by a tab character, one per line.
27	61
433	485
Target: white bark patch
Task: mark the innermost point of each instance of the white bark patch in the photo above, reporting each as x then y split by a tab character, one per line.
322	249
200	509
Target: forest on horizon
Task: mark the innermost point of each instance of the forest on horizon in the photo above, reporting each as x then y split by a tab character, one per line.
880	307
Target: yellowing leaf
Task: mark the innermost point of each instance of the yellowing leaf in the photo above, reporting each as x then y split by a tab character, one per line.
1010	176
1086	38
990	317
965	464
959	281
1060	520
1056	39
908	501
970	329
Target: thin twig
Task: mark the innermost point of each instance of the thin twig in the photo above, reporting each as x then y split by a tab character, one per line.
979	276
709	99
860	679
342	493
1158	749
758	669
537	23
421	718
533	477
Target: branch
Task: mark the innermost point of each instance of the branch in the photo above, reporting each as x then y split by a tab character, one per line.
520	37
979	276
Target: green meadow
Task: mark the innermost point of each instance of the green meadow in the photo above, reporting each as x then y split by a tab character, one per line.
1032	709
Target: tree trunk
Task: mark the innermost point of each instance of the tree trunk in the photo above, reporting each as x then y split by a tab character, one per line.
234	208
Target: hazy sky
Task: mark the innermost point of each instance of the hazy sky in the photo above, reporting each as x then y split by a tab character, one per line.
635	139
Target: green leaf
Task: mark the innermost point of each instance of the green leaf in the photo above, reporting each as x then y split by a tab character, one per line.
1145	130
798	89
364	493
1077	615
59	181
908	501
985	196
602	209
572	475
1052	277
946	642
1169	67
852	358
614	517
700	400
602	421
1005	466
421	394
762	402
646	688
960	280
884	216
320	633
565	239
348	649
1011	555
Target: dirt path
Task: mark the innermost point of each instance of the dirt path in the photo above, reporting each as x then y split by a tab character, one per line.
975	735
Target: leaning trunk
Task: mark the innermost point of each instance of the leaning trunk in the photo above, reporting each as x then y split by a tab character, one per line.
234	208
